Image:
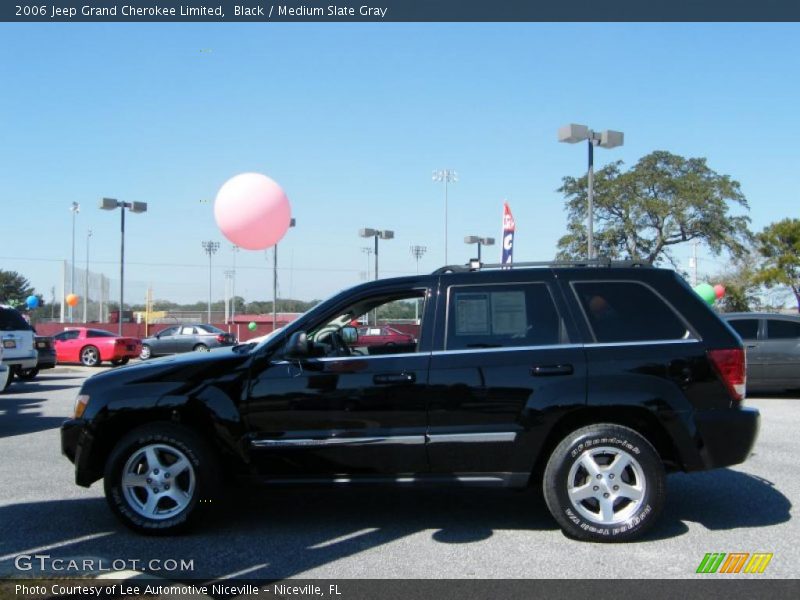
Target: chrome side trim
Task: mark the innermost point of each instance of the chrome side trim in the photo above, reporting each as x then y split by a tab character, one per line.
507	349
473	438
339	441
641	343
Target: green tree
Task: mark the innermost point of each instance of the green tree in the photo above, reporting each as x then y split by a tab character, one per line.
15	289
742	285
779	245
665	199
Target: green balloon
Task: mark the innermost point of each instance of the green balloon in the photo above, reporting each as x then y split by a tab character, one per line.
252	326
706	292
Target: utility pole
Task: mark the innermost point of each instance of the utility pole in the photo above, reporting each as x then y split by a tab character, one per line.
210	248
417	252
86	280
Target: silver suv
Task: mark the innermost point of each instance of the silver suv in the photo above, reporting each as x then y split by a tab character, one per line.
16	337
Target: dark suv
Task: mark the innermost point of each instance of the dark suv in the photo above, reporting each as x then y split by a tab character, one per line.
591	381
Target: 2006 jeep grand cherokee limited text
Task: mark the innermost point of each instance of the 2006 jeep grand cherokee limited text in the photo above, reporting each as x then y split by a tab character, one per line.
589	380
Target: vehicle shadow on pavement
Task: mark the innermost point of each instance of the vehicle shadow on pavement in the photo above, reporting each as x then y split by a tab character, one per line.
271	533
33	387
730	500
23	415
276	533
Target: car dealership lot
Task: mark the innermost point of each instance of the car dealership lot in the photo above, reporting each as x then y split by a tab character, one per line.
383	532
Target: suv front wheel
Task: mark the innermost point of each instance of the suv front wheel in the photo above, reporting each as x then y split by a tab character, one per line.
604	483
159	478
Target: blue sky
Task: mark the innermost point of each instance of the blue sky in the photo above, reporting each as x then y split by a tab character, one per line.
351	119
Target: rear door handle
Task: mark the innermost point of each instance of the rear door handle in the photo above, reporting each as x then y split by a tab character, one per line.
384	378
550	370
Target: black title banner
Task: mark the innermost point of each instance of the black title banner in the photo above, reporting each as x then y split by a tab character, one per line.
304	11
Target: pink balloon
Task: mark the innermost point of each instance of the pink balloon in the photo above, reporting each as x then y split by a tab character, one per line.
252	211
719	290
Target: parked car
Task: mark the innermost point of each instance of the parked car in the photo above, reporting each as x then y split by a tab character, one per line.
772	345
185	338
590	382
45	357
91	347
384	336
16	337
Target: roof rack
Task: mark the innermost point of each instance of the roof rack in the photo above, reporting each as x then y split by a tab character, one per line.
475	265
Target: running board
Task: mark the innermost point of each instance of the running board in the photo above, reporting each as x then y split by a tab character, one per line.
503	480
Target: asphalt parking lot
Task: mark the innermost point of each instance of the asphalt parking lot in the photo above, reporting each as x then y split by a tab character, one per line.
387	533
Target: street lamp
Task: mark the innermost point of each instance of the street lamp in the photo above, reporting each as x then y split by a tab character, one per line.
75	208
368	251
447	176
417	252
572	134
134	207
384	234
86	281
210	248
235	250
292	223
481	241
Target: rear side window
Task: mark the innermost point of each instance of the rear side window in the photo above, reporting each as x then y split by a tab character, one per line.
782	330
94	333
11	320
627	311
746	328
502	316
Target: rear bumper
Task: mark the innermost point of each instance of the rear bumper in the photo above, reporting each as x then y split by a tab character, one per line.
76	444
46	360
726	437
27	361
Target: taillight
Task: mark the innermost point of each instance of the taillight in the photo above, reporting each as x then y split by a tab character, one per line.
731	366
221	338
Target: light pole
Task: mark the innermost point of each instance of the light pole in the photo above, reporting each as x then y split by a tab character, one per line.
417	252
481	241
572	134
210	248
75	208
384	234
86	281
235	250
134	207
292	223
368	251
447	176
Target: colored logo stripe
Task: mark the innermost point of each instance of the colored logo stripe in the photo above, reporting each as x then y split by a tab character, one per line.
711	562
734	562
758	562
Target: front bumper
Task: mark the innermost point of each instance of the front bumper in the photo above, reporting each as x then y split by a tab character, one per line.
726	437
76	445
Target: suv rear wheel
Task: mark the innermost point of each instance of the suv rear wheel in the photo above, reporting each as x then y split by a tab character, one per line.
159	478
604	483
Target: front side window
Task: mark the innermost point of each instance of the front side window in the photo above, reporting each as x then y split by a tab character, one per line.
627	311
169	331
66	335
498	316
782	330
746	328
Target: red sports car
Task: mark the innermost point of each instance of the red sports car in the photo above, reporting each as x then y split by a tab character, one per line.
383	336
90	347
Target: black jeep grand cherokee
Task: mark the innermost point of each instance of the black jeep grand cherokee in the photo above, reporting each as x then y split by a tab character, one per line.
591	380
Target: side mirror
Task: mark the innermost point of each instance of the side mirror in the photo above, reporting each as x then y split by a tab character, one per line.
297	346
349	334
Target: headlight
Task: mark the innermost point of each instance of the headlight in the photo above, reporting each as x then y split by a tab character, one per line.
80	405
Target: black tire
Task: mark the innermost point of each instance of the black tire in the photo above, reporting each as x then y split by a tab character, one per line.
168	516
201	348
90	356
145	352
119	362
28	374
583	462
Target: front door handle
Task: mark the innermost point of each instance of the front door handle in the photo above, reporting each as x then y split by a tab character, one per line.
752	345
550	370
385	378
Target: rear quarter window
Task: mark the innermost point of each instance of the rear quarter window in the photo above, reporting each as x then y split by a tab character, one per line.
628	311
